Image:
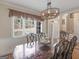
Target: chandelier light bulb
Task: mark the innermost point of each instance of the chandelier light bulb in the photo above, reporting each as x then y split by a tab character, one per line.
56	11
43	14
49	11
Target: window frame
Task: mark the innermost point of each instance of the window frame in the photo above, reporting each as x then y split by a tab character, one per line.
38	28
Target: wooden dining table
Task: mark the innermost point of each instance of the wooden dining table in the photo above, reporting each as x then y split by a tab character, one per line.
35	51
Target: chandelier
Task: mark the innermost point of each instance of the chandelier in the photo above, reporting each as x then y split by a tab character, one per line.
49	13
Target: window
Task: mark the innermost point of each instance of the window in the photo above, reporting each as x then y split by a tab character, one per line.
22	26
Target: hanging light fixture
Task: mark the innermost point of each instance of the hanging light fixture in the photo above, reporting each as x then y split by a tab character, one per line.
50	12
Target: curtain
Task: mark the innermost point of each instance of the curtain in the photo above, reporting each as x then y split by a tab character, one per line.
23	14
20	14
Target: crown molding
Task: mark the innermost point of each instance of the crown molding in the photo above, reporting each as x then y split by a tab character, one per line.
71	10
19	7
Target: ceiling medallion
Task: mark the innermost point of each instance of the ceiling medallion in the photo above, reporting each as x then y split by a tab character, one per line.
49	13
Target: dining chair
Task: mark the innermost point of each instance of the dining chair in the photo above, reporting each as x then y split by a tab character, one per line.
60	49
71	48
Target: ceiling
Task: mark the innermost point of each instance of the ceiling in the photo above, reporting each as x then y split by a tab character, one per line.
41	4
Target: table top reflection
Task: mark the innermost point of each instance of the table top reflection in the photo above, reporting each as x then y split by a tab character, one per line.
33	51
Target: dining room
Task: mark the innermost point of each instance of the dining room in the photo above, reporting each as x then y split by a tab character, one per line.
39	29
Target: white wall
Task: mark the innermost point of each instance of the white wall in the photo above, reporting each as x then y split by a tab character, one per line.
4	22
7	43
73	26
76	25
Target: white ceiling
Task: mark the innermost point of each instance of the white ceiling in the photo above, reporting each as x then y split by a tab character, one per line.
41	4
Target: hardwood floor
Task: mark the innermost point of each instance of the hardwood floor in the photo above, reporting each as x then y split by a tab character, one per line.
75	54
